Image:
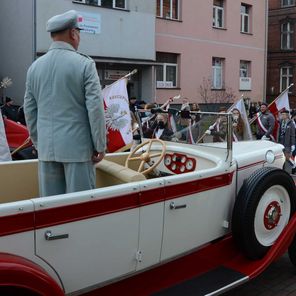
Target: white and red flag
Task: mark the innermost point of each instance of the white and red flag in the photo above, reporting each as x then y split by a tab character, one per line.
117	115
279	104
4	149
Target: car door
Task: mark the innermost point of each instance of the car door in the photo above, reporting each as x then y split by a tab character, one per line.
89	237
197	210
152	197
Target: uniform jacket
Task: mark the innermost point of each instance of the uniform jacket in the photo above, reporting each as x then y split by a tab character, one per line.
286	135
64	106
268	122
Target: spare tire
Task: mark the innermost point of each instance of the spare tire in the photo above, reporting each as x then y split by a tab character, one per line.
263	208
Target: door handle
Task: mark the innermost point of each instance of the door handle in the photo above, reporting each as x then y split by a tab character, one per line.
173	206
49	236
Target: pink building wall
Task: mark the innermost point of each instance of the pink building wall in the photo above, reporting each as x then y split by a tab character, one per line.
194	38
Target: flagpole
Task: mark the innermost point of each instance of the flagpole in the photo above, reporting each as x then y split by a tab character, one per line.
124	77
254	118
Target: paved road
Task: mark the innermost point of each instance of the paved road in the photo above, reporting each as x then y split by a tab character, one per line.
279	279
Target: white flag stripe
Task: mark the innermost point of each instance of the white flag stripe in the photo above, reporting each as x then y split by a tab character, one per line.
282	102
4	149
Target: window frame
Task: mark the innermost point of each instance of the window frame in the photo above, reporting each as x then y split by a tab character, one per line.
164	75
216	9
248	70
215	69
288	76
171	10
100	4
243	16
289	33
289	4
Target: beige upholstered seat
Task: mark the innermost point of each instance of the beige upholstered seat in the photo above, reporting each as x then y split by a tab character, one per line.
111	173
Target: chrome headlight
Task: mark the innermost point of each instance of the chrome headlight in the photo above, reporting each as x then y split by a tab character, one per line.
269	157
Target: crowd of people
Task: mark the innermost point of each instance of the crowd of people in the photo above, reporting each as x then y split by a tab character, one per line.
157	125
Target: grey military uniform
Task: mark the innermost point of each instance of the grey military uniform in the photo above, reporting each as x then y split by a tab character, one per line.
64	110
286	135
268	121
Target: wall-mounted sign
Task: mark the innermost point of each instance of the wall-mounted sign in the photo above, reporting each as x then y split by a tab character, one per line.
115	74
164	84
245	83
89	22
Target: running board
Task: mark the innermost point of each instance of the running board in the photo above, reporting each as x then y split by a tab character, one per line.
213	282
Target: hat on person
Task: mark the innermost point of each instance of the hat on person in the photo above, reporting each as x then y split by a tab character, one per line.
285	111
8	99
60	22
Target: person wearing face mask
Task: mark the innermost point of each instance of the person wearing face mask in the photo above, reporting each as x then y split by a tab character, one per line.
160	129
237	125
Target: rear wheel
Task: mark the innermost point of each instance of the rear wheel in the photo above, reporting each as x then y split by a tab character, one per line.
262	209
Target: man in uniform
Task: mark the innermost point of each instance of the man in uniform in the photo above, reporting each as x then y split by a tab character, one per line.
265	123
286	137
64	111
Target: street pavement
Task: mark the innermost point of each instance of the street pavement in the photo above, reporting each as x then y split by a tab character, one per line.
279	279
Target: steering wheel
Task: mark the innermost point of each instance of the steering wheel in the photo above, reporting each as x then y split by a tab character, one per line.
146	156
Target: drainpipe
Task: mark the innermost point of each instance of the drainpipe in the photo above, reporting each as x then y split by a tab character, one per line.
265	50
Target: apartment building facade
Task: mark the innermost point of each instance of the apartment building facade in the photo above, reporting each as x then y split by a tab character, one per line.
205	50
281	49
118	34
211	50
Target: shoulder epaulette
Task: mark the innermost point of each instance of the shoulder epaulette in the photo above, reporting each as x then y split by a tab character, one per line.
85	55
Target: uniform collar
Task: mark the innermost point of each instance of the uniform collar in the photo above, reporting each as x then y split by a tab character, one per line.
61	45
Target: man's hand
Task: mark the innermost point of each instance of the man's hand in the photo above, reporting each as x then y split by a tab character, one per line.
97	156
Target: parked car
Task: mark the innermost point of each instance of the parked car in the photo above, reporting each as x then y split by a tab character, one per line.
165	215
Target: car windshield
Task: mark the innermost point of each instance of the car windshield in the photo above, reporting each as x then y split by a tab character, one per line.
187	127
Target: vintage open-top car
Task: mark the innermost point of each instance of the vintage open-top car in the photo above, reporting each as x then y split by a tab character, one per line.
167	216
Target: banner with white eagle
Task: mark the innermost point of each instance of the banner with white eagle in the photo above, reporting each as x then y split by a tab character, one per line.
117	115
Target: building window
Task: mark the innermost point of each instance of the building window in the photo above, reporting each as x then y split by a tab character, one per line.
245	80
168	9
217	73
287	34
166	74
286	77
245	69
218	14
105	3
286	3
245	18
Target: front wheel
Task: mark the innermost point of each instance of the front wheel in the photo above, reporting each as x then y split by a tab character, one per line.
262	209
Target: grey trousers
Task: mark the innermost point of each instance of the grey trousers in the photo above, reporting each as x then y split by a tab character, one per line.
64	177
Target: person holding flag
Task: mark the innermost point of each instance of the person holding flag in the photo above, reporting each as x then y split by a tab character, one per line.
237	125
265	124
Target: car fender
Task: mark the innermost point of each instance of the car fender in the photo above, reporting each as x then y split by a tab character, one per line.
16	271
